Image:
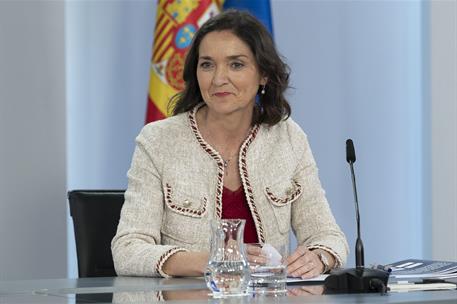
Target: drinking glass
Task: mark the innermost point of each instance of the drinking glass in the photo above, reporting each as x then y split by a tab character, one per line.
269	269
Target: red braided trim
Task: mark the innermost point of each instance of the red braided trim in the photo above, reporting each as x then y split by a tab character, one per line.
247	184
215	155
165	257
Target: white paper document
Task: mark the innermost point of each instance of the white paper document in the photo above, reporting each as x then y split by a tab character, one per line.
414	268
403	287
319	278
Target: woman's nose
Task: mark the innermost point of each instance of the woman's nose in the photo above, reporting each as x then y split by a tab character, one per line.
220	76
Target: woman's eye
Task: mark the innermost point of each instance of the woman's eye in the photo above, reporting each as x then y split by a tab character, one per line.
237	65
205	65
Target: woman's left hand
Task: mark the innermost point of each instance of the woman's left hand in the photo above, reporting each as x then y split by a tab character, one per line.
304	263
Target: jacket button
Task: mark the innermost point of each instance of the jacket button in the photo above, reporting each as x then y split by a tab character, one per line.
187	203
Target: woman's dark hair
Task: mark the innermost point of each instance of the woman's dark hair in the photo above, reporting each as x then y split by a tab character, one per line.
272	106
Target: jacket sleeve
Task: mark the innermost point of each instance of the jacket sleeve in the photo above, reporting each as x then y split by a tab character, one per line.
136	247
312	220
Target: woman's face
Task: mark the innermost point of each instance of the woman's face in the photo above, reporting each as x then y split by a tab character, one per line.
227	73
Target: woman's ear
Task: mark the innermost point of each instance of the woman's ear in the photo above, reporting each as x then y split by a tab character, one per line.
263	81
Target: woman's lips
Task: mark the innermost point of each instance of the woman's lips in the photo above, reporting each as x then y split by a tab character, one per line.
221	94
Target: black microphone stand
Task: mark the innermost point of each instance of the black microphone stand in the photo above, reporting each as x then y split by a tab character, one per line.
358	279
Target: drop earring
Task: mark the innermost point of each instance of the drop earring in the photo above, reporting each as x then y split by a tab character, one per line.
263	90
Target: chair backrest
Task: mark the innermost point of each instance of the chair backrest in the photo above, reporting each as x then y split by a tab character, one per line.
95	216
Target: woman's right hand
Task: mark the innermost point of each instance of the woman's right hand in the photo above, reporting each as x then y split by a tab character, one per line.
186	264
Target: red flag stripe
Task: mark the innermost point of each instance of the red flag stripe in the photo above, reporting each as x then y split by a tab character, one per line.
153	113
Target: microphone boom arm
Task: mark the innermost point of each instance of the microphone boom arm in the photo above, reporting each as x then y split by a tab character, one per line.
359	252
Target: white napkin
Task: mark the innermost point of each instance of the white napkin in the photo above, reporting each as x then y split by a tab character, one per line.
273	256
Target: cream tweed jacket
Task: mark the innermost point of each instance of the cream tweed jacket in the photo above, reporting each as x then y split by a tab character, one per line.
175	188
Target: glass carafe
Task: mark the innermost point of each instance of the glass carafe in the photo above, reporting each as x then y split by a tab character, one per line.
227	273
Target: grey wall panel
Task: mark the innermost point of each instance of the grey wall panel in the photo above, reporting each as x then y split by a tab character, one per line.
32	140
443	55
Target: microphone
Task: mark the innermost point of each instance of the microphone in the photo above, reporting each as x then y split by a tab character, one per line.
350	152
350	158
359	279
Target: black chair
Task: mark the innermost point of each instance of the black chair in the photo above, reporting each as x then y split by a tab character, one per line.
95	216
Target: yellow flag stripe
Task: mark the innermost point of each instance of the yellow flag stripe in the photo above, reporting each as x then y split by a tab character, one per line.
160	92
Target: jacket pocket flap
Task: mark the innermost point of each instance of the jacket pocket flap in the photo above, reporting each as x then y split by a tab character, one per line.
283	193
183	203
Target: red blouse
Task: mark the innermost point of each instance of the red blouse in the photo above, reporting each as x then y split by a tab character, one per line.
235	206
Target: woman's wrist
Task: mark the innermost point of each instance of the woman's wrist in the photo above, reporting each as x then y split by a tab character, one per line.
186	263
327	259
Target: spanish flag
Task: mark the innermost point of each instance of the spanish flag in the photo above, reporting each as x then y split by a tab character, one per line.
176	23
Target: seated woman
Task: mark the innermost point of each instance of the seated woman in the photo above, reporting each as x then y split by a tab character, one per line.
229	151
